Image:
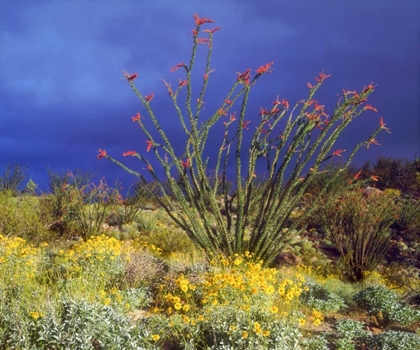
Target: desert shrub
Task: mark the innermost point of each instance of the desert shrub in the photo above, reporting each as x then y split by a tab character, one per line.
358	224
147	220
22	216
318	342
90	266
143	269
60	204
408	219
126	210
299	151
74	324
394	340
384	304
91	205
394	173
84	208
350	334
317	297
171	240
236	304
12	177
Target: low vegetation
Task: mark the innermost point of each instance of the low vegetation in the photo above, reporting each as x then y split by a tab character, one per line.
84	268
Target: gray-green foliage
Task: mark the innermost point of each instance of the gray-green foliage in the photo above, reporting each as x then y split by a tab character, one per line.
349	334
394	340
318	342
74	325
319	298
385	305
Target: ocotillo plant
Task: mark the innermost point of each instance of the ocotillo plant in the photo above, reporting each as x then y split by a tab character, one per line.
308	137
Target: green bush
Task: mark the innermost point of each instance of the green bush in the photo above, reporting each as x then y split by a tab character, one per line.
74	324
317	297
384	304
13	176
350	334
409	216
394	340
22	217
358	224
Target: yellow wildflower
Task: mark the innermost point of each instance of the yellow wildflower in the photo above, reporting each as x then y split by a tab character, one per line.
155	337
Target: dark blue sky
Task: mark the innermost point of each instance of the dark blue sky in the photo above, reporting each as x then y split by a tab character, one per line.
62	97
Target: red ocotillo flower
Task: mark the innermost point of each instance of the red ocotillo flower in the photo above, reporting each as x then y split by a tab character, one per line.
211	31
338	152
186	163
199	21
136	118
102	154
129	153
149	145
179	65
265	69
148	98
383	127
130	77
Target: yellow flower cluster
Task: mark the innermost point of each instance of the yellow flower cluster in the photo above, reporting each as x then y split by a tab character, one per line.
142	245
289	290
95	255
259	331
35	315
99	247
243	280
113	297
18	260
317	317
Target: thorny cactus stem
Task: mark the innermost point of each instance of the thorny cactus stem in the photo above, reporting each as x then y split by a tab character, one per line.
197	195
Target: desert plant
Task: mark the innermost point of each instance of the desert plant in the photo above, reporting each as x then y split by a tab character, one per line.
408	219
318	297
384	304
310	136
394	340
126	210
358	224
57	204
89	206
22	216
13	176
350	334
395	173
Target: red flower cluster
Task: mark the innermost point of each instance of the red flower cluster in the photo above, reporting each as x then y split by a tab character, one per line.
182	82
203	41
321	78
148	98
265	68
382	125
338	152
371	108
211	31
179	65
199	21
186	163
102	154
130	77
244	77
136	118
149	145
206	76
129	153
